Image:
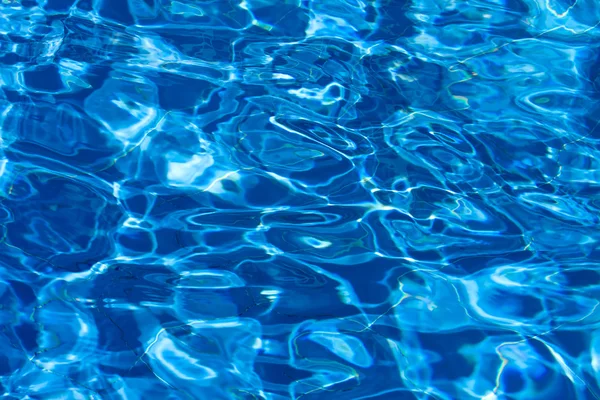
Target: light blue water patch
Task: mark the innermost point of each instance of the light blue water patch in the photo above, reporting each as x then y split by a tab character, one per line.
333	199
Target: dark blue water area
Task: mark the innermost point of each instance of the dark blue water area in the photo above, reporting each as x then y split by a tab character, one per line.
300	199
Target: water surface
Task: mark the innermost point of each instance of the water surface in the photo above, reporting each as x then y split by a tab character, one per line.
277	199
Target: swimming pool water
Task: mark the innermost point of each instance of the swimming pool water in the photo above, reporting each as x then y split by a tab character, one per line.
299	199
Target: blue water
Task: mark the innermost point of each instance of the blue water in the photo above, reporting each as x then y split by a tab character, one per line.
296	199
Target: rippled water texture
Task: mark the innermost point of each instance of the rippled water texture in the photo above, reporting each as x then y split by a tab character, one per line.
281	199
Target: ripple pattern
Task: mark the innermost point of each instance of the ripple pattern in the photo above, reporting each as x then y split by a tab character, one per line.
300	199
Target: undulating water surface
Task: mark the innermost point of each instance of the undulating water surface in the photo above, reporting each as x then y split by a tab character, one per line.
299	199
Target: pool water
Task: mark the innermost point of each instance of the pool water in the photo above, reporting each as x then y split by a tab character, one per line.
299	199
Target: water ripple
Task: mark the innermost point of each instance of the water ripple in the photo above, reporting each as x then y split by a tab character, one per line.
299	199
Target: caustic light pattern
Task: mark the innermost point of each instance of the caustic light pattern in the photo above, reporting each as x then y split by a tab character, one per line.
300	199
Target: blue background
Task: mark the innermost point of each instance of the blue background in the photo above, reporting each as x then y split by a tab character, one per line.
328	199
